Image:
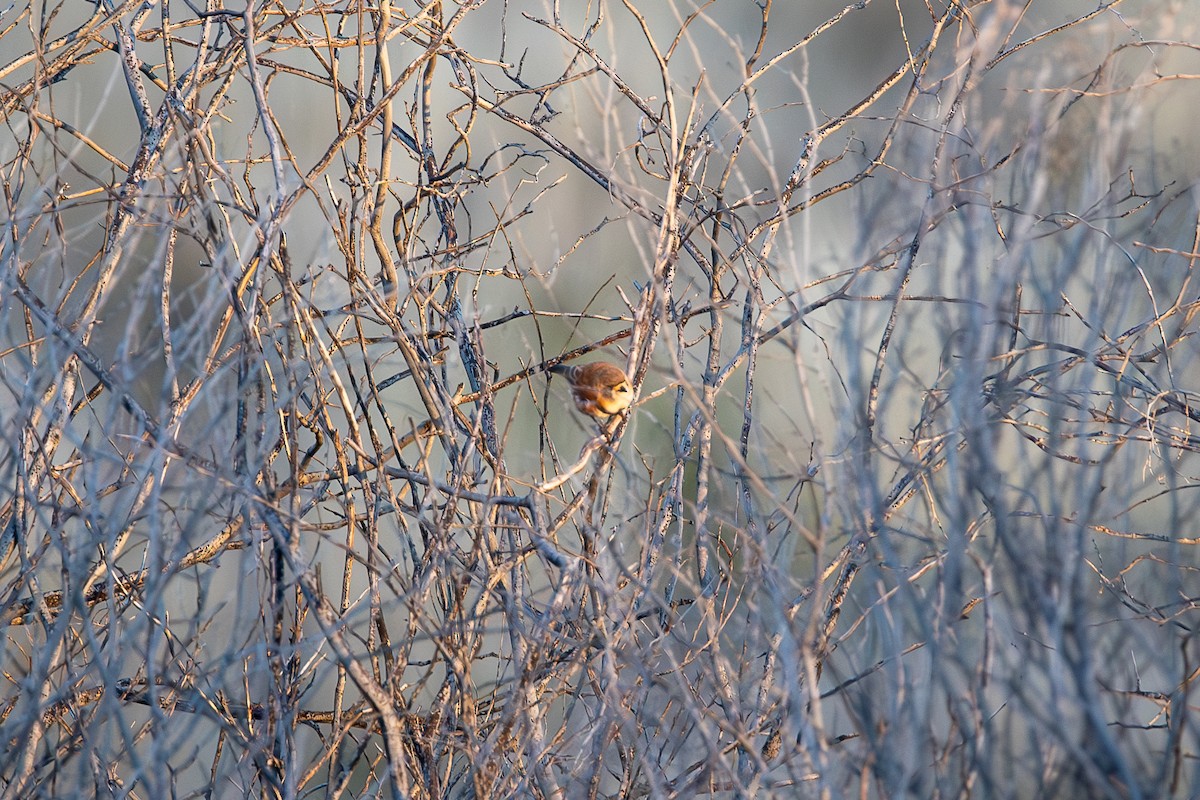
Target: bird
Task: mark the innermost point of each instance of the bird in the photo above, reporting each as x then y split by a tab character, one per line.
599	389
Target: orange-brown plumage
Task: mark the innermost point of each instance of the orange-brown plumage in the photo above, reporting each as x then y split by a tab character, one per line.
599	389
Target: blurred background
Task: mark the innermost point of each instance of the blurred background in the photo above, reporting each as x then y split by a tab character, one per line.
906	506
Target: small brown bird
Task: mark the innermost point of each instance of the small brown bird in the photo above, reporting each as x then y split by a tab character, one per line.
600	389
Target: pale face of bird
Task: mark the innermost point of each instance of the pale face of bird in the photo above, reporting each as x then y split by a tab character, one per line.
599	389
